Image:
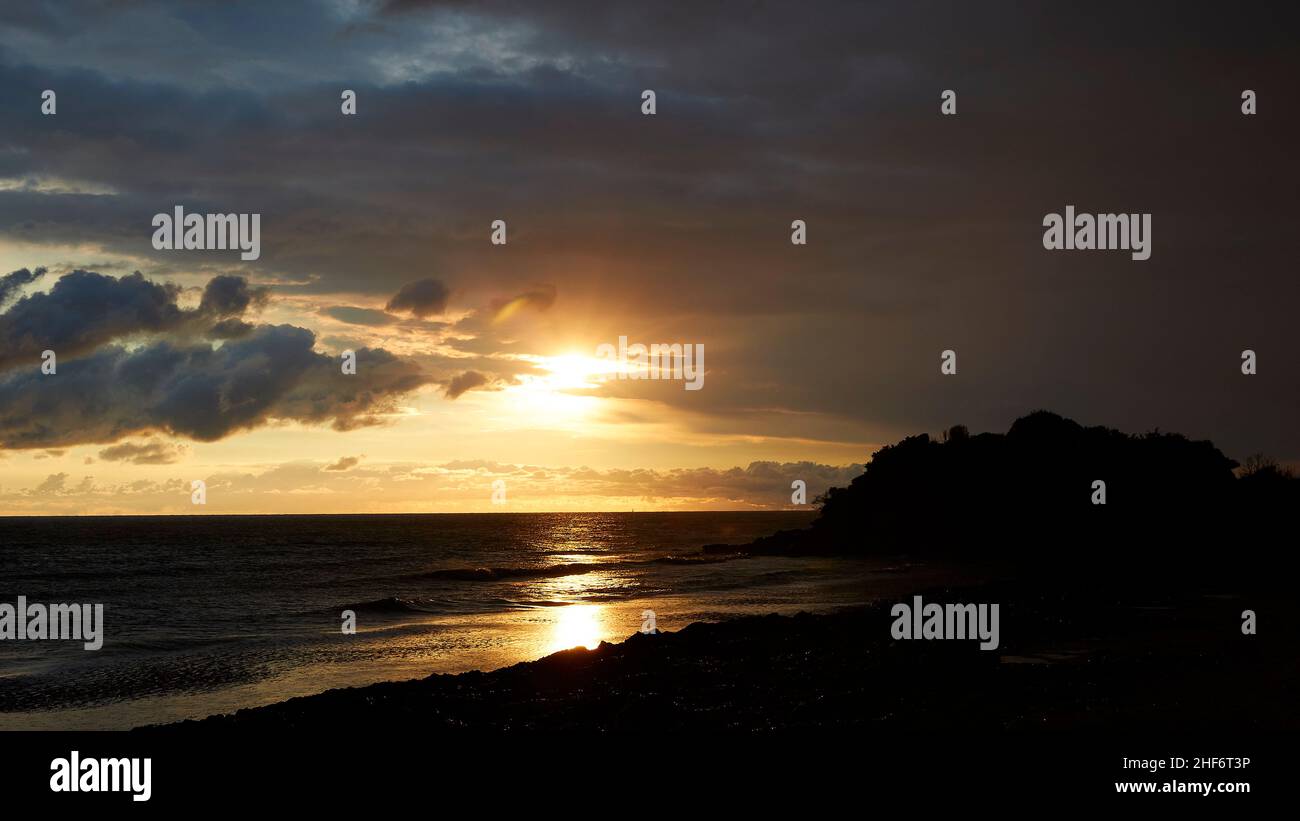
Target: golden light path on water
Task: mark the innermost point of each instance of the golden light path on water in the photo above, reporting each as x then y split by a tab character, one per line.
575	622
577	625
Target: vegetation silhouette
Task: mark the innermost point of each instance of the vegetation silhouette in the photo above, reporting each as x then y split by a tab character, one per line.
1173	506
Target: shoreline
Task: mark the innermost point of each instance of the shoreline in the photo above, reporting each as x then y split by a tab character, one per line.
1068	660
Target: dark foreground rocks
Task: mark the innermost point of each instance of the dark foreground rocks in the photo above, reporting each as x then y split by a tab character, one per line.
1076	660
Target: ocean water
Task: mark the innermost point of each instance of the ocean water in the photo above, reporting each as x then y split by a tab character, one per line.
210	614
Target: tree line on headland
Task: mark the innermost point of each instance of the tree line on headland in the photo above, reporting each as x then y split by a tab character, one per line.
1052	495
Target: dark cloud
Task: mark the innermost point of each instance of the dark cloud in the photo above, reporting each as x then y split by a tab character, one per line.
143	453
230	329
12	283
467	381
344	463
198	392
85	310
421	298
230	296
487	331
540	298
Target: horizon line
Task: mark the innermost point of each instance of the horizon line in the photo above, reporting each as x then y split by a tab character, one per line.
810	509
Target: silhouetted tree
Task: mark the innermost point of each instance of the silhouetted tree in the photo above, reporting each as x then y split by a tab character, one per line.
1173	506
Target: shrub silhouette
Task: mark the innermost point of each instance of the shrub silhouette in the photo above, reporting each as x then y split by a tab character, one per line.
1173	506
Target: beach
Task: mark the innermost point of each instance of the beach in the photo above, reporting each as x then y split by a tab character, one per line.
208	616
1068	661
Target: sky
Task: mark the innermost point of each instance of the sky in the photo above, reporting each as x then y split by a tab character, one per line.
477	366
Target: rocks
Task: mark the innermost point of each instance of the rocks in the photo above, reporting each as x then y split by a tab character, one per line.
843	671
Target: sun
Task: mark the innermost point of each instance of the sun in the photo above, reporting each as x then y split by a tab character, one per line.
572	371
559	393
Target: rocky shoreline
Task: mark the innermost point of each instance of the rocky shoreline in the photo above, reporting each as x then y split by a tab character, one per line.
1068	660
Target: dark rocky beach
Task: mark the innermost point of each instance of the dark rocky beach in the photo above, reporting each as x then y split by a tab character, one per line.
1067	661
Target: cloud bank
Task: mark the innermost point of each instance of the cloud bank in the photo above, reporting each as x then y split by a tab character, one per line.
172	379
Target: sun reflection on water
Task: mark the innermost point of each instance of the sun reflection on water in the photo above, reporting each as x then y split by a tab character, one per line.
577	625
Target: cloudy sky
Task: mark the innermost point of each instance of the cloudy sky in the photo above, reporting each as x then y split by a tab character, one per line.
476	362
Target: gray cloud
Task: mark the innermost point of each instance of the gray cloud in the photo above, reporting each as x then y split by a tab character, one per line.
230	296
540	298
53	484
344	463
198	392
11	283
420	298
82	311
143	453
85	310
467	381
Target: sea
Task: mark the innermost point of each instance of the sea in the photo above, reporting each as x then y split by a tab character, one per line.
211	614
